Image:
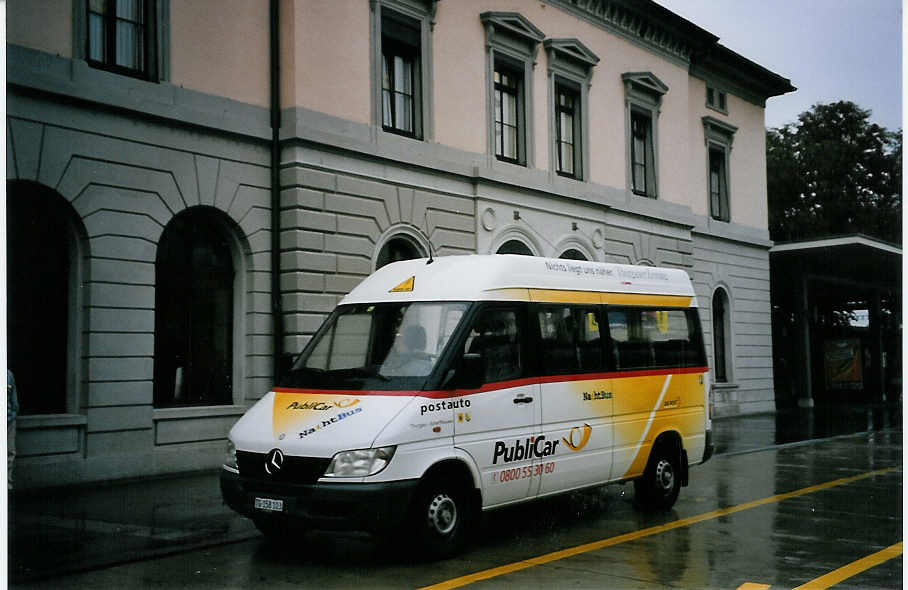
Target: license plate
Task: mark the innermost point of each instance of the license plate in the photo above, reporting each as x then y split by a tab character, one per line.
269	505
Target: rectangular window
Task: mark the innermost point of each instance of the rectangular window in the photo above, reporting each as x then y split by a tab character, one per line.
511	45
718	184
400	74
119	36
569	340
716	99
508	86
643	99
567	131
642	156
654	338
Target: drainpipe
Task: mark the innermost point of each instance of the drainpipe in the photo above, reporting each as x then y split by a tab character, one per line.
276	312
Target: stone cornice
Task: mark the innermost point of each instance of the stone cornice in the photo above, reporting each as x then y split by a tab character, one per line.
644	23
649	25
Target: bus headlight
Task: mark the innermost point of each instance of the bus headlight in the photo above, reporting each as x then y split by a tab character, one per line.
230	457
359	463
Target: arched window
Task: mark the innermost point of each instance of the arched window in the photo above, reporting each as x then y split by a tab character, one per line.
42	307
194	311
514	247
399	247
573	254
720	335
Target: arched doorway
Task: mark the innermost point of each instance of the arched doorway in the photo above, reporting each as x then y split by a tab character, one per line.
398	247
194	311
573	254
514	247
42	297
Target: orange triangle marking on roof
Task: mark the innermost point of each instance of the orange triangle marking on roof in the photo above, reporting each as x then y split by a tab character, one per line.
405	286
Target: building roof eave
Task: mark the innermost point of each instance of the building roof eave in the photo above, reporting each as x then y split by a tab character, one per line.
735	69
651	25
831	242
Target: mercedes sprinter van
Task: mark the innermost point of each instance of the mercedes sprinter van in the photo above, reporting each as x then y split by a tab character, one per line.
439	389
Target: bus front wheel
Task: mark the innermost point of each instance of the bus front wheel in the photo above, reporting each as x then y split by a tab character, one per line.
440	518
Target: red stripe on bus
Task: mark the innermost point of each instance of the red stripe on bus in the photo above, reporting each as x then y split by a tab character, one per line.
442	394
390	392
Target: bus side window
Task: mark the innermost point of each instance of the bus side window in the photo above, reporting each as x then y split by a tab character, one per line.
496	336
694	354
630	349
653	338
569	340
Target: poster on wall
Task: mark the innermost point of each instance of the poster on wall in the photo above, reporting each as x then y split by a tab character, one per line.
842	360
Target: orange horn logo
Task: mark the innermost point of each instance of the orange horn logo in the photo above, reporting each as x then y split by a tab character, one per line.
584	438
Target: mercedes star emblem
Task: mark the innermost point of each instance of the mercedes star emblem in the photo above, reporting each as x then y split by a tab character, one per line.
274	460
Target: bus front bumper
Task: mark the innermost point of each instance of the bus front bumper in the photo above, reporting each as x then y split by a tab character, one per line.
372	507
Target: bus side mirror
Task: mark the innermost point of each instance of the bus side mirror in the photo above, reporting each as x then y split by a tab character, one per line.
472	371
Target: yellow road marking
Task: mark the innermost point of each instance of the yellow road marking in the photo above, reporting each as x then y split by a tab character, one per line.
752	586
853	568
611	541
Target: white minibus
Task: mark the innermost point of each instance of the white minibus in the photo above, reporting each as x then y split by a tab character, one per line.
439	389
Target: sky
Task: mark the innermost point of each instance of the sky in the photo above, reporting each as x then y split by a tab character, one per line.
830	49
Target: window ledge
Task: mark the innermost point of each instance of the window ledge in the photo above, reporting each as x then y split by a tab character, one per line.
724	386
197	412
37	421
717	109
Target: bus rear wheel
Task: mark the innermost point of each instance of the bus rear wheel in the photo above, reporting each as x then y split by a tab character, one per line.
658	488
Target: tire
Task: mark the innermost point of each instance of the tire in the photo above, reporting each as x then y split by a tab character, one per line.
440	518
657	489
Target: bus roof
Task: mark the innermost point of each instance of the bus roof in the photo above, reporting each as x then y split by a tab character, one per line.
510	277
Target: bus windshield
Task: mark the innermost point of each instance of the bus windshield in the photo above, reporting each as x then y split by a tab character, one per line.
377	346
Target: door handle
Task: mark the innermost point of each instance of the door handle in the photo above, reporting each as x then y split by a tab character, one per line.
523	400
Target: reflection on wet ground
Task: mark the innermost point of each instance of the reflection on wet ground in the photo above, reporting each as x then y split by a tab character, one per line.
750	533
784	542
758	431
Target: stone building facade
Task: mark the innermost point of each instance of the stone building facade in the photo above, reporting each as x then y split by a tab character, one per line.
192	187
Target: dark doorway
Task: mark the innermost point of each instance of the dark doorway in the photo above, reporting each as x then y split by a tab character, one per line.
396	249
40	256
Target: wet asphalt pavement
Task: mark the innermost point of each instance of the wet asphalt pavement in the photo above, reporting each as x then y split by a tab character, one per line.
841	501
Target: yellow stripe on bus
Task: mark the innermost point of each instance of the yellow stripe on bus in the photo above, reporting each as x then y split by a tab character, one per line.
592	297
635	299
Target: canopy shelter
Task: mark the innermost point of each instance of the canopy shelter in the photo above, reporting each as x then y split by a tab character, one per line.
836	321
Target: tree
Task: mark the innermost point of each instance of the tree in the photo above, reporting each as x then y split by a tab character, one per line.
832	173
